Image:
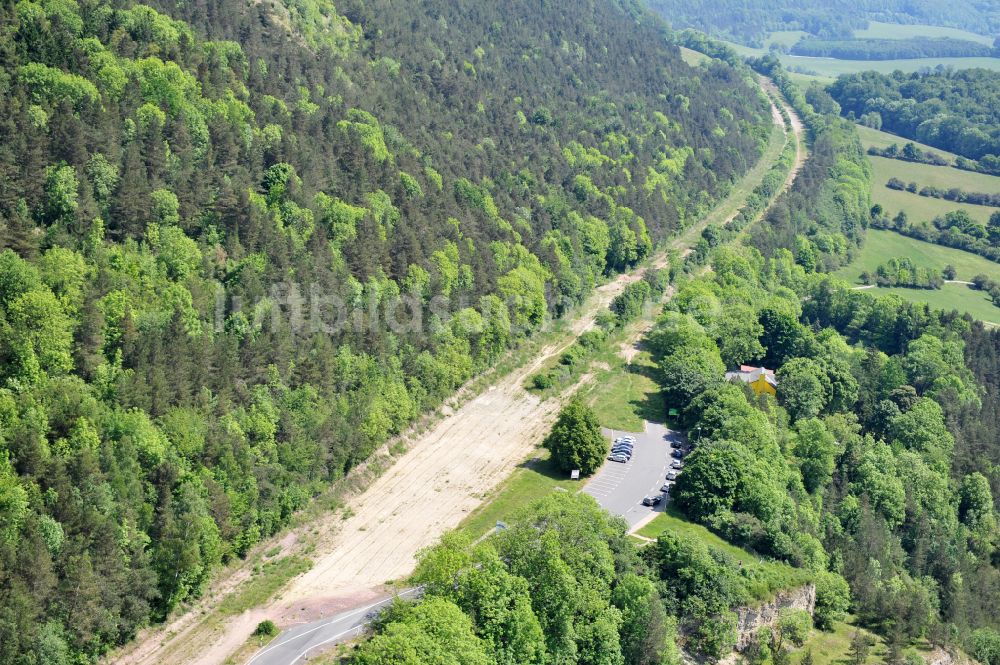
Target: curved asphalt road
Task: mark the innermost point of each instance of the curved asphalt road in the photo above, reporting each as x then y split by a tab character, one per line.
295	644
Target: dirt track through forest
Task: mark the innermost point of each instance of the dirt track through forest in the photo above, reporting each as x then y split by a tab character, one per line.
443	476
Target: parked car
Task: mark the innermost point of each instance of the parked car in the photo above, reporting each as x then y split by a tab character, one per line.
677	464
671	475
618	457
677	454
652	500
666	488
622	446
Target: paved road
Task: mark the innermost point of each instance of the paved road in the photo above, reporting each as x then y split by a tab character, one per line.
294	645
619	488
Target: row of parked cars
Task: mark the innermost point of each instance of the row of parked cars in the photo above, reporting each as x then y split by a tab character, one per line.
675	468
621	449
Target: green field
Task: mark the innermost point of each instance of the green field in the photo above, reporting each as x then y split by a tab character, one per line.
623	396
831	67
922	208
878	30
925	208
951	297
881	245
879	139
827	68
693	58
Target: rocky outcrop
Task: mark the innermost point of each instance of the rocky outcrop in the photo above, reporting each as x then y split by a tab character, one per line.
751	619
947	656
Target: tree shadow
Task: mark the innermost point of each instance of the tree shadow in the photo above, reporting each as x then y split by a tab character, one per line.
544	467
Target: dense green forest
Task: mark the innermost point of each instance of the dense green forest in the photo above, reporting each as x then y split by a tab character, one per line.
750	21
954	110
193	194
892	49
871	475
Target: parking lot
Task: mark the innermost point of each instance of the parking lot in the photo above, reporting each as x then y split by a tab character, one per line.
620	488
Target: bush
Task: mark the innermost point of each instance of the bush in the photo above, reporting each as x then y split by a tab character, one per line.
592	339
542	381
794	626
266	628
833	597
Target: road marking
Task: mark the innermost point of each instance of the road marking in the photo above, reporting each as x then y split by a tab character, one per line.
319	644
339	617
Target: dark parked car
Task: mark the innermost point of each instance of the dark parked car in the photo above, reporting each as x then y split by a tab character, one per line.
666	488
652	500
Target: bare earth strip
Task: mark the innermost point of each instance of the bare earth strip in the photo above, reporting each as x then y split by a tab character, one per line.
428	491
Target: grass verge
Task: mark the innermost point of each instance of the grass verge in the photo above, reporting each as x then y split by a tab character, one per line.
834	647
267	579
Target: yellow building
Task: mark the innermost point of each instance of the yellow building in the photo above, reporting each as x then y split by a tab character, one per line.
761	379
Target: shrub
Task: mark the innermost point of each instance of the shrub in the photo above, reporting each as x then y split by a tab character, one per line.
542	381
266	628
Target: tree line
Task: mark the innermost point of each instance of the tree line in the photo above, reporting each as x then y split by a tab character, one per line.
822	218
902	272
891	49
909	153
956	194
881	426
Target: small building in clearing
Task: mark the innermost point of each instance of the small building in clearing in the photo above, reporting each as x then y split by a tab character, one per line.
761	379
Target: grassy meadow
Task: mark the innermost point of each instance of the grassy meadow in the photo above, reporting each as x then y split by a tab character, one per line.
925	208
532	479
882	245
879	139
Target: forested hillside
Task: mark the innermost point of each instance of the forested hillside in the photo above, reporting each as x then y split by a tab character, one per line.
214	217
750	21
